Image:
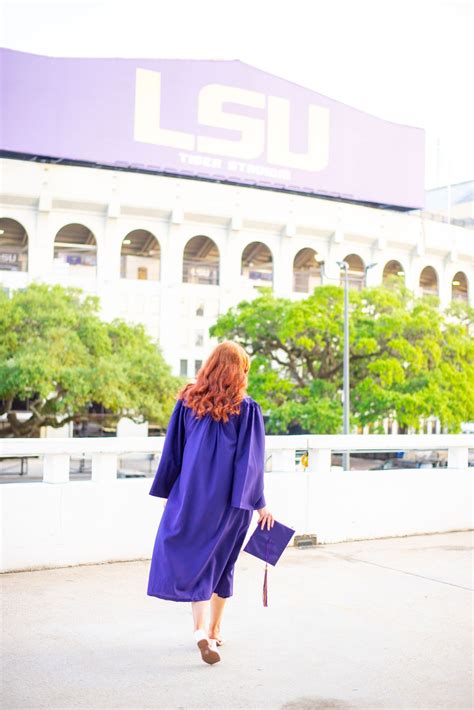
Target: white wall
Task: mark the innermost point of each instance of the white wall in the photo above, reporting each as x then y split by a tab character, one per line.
85	522
68	523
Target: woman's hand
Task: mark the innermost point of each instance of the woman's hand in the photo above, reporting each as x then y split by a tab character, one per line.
265	518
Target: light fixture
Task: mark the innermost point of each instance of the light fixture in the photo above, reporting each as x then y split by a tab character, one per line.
72	245
127	241
400	273
456	283
2	231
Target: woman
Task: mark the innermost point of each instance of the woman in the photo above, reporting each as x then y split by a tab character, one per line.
211	472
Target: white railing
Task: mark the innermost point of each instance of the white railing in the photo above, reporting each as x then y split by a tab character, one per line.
321	447
58	521
57	452
104	451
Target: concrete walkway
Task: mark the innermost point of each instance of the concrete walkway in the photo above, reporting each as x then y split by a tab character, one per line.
373	624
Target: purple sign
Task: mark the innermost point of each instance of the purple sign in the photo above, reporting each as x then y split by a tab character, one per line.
222	120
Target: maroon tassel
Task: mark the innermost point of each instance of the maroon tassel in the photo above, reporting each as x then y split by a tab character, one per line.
265	588
265	578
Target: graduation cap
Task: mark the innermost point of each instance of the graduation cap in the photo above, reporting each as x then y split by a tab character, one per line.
268	545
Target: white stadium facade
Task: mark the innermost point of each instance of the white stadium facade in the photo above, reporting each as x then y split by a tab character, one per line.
172	189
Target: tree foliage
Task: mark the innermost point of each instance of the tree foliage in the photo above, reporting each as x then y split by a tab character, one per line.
58	355
407	358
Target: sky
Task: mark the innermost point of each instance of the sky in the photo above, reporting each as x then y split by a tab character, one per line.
406	61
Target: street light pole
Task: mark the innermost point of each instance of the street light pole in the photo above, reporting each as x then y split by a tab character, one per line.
347	403
346	464
346	457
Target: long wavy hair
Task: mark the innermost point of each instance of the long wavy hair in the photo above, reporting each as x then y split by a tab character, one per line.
221	383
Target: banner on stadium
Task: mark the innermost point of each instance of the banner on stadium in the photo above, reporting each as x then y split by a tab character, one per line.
219	120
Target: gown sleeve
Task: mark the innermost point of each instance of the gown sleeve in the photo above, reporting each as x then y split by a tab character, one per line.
171	459
248	480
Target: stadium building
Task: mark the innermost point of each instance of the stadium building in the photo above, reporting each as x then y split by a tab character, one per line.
171	189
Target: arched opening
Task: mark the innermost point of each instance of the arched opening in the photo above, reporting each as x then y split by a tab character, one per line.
459	287
13	245
306	271
140	256
75	250
257	264
356	272
429	282
201	261
393	270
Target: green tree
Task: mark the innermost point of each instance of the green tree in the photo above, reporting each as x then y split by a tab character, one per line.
407	359
58	355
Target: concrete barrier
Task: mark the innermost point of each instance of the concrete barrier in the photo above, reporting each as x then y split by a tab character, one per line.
60	522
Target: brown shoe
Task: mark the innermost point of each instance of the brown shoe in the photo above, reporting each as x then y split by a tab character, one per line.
207	647
208	652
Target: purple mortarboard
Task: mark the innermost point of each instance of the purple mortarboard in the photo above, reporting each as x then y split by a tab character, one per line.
268	545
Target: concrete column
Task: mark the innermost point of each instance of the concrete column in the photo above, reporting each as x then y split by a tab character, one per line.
171	280
41	244
56	468
283	460
108	264
374	276
41	248
104	467
229	269
458	457
283	263
331	275
444	285
412	274
319	460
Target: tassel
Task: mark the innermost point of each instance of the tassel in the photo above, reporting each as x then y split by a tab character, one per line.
265	578
265	587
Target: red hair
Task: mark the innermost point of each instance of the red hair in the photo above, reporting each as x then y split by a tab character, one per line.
221	383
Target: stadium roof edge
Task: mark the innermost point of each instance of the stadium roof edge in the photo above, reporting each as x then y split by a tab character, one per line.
180	176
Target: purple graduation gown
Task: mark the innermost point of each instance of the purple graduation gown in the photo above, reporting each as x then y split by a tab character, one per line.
212	475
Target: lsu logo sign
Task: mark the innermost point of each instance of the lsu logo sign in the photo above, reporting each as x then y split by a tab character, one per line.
265	137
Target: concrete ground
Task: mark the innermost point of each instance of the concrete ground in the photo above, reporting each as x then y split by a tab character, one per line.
371	624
